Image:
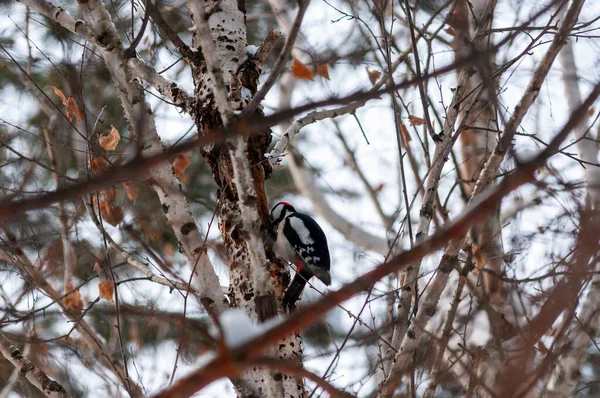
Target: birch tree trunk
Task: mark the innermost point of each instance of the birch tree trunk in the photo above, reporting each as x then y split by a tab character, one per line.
481	130
228	30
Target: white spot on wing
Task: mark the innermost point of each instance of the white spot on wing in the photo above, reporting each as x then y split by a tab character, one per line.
301	230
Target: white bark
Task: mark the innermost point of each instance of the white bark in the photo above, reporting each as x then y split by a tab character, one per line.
464	106
216	63
32	373
313	117
567	371
411	336
247	202
164	181
167	88
223	57
586	145
218	57
428	307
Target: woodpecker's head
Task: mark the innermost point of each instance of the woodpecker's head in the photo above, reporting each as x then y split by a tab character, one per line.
281	211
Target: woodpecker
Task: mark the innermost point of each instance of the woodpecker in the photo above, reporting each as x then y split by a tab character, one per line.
301	241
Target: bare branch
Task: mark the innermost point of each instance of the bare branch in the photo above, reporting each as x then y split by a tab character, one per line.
32	373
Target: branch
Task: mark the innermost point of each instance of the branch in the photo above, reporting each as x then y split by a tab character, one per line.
62	17
33	374
387	223
404	358
190	56
247	202
22	262
528	98
129	52
59	15
307	187
165	87
283	55
132	261
313	117
293	369
588	148
462	101
476	212
142	123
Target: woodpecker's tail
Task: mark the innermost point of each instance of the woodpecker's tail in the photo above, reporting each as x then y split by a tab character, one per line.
294	290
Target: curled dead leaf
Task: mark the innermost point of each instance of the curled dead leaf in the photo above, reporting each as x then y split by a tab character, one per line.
181	163
73	110
415	121
132	190
110	140
300	71
450	31
373	75
110	213
97	269
72	301
60	94
109	194
99	165
323	71
405	135
106	289
71	107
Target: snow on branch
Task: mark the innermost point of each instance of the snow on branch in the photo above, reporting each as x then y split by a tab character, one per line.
238	328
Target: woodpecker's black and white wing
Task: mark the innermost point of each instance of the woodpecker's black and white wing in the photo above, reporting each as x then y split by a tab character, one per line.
309	241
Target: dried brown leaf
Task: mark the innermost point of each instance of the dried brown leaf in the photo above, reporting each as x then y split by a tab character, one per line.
106	289
109	194
405	135
415	121
110	140
132	190
73	110
99	165
110	213
181	163
300	71
450	31
58	92
72	301
373	75
97	269
323	71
